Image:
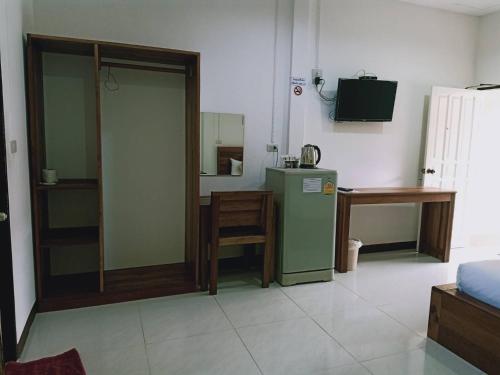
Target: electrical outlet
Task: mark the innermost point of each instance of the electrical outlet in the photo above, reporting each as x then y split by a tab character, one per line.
316	73
272	147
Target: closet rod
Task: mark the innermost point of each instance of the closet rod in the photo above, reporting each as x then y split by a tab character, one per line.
142	67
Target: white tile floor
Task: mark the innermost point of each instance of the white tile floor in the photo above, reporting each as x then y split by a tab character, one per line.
371	321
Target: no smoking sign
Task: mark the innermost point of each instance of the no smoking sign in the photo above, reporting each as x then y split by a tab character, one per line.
297	90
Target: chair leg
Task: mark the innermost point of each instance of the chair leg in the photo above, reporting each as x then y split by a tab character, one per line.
213	269
266	269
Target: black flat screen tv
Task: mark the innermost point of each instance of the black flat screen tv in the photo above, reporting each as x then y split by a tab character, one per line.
366	100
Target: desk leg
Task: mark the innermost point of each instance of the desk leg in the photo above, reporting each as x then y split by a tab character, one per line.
342	232
436	228
204	229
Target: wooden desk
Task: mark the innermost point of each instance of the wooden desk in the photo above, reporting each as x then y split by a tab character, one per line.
437	218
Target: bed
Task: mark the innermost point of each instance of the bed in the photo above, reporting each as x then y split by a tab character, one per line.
464	318
481	280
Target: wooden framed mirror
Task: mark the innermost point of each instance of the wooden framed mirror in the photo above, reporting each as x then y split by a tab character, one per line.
222	142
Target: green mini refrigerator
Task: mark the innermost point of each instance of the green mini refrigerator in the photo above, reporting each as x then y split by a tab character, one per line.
306	201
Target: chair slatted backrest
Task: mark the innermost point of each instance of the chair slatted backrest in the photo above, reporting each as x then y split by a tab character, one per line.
241	209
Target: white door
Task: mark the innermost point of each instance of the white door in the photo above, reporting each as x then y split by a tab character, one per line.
453	116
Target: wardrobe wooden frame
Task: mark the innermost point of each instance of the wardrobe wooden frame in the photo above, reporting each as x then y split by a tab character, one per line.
189	65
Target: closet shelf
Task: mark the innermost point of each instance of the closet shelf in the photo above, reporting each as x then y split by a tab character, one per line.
71	184
70	236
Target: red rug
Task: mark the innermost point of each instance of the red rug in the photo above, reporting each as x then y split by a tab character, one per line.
68	363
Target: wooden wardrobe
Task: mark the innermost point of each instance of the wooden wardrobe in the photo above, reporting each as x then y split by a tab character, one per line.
80	192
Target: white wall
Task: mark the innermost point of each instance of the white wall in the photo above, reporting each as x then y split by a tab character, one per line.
236	39
416	46
419	47
15	17
488	51
143	138
245	58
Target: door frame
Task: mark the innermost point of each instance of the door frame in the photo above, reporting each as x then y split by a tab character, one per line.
8	339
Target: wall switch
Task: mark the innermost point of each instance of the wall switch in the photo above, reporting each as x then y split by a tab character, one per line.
317	73
272	147
13	147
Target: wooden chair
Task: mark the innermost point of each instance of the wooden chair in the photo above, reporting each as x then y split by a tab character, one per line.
241	218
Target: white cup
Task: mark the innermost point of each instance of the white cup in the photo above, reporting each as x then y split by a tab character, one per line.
49	176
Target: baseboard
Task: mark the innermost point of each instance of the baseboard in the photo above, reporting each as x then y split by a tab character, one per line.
253	260
393	246
26	330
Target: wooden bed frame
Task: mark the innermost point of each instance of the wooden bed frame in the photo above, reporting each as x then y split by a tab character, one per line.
224	156
466	326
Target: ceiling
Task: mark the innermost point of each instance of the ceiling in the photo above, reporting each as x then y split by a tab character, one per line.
472	7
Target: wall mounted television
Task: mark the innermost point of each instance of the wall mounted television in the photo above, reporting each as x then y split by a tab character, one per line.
365	100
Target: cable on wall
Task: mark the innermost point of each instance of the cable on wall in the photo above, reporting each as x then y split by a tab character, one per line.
317	32
276	159
275	63
320	84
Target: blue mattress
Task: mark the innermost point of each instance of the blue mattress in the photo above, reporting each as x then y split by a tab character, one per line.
481	280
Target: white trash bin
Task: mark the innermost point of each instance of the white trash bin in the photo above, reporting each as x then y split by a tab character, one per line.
352	256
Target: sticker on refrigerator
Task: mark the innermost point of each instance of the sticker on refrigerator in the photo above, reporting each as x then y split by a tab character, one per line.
311	185
329	188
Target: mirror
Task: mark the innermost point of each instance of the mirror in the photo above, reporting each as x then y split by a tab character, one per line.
221	144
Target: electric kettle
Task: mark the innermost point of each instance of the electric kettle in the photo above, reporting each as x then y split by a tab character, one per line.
310	157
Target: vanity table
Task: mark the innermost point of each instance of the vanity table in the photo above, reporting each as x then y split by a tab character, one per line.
221	145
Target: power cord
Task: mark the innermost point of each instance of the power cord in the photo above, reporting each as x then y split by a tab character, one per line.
320	84
320	81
